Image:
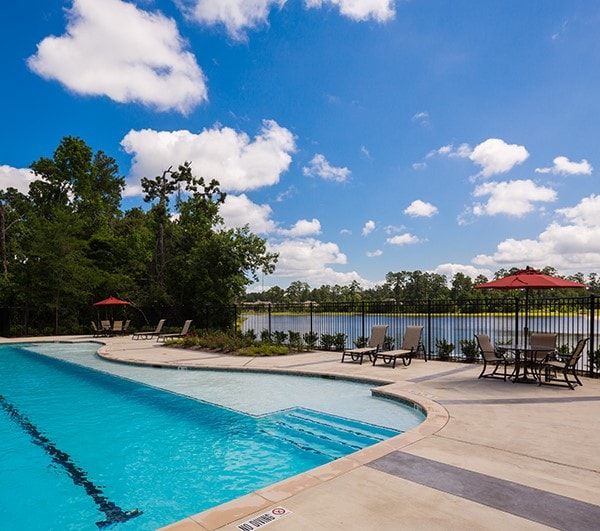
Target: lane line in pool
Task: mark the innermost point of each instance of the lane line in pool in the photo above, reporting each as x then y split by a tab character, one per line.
114	514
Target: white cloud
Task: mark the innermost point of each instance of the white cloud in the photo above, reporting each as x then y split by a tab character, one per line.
420	208
374	254
18	178
419	166
585	214
235	15
239	15
513	198
238	211
496	156
368	228
320	167
563	166
310	260
403	239
219	153
461	152
113	49
391	229
571	247
360	10
421	118
449	270
303	227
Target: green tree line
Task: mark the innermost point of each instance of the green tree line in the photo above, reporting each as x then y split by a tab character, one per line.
67	244
415	286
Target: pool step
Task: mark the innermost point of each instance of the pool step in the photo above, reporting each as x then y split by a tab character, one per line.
324	434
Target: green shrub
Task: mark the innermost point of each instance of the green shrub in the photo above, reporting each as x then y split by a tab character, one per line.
264	349
327	341
310	338
361	341
469	349
339	341
444	348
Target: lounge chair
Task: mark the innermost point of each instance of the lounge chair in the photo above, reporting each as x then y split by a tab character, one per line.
491	356
148	335
375	343
117	327
411	345
181	333
551	368
97	332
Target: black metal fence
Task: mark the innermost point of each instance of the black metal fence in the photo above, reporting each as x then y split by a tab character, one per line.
506	321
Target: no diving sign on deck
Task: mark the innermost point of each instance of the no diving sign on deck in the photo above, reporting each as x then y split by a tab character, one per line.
263	519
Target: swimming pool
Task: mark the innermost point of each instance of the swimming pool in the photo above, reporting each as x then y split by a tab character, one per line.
82	449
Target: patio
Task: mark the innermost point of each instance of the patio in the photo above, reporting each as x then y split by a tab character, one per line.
492	454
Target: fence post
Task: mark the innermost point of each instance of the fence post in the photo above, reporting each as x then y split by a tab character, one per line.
311	318
592	329
362	305
428	329
516	321
269	319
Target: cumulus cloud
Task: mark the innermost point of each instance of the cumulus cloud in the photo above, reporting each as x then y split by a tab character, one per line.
449	270
374	254
513	198
563	166
311	260
368	228
420	208
18	178
403	239
235	15
238	211
572	246
359	10
112	48
496	156
231	157
585	213
303	227
320	167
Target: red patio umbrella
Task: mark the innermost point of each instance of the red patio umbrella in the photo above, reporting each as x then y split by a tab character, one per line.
528	279
109	303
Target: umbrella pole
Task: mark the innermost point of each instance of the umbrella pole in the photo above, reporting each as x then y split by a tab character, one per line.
526	328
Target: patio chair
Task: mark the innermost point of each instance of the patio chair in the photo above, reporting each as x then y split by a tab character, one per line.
148	335
185	329
117	327
375	343
551	368
536	358
491	356
411	345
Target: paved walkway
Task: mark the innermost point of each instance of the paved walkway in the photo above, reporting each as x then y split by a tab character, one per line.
491	454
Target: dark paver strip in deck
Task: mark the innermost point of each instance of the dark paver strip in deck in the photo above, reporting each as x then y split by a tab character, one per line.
440	374
533	504
522	400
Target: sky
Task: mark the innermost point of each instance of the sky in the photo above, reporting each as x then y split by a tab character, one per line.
357	137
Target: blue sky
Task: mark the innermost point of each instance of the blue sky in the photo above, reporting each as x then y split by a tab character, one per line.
357	137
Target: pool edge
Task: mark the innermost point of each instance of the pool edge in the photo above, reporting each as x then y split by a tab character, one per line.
244	507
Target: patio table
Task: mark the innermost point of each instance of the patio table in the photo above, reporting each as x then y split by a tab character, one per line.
523	356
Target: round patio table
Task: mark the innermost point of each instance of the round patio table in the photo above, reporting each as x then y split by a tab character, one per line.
524	360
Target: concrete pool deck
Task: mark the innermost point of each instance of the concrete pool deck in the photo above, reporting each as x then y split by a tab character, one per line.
491	454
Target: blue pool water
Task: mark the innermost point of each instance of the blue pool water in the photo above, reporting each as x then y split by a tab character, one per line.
83	449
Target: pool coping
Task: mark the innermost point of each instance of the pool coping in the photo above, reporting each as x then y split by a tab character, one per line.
436	417
244	507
